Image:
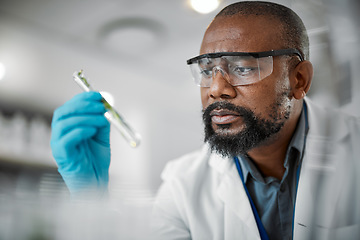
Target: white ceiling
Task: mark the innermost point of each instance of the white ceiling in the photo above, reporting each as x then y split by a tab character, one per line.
135	49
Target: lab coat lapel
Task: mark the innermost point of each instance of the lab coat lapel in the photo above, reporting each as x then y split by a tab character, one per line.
326	145
239	221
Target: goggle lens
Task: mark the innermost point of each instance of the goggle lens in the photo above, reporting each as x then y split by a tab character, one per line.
238	70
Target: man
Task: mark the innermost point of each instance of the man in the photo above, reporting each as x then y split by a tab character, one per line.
256	176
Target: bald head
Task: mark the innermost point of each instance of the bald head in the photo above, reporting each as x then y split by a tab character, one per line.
290	27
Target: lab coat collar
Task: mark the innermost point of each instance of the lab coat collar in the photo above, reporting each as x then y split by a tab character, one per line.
322	125
230	190
326	151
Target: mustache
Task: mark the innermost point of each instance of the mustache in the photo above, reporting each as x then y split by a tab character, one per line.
246	113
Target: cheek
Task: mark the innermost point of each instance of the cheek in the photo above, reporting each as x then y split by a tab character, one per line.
267	97
258	97
204	96
281	104
283	83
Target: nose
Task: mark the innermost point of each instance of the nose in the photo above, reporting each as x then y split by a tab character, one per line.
220	87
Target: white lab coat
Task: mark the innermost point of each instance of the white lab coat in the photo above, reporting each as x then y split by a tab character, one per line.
202	196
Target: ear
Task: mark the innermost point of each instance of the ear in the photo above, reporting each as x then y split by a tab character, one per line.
301	78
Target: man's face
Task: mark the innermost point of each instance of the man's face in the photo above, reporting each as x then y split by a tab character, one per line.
238	119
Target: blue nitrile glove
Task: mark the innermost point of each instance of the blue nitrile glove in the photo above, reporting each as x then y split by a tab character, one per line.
80	143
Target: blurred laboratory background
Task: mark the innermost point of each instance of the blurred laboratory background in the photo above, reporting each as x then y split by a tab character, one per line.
136	51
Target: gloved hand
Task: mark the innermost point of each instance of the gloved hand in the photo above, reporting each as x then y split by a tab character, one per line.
80	143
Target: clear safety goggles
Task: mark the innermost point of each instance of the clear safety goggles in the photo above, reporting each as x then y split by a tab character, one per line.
238	68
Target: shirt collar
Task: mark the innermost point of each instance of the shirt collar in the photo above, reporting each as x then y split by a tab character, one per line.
298	139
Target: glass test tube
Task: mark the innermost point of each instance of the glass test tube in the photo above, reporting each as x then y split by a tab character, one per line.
130	135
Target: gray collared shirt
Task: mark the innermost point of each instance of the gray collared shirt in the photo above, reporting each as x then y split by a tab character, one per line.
275	199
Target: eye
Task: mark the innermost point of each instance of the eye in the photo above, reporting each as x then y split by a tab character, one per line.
206	73
244	71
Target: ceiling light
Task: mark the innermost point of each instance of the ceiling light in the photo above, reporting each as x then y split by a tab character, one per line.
204	6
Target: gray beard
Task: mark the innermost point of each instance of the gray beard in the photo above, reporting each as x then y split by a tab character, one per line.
256	132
